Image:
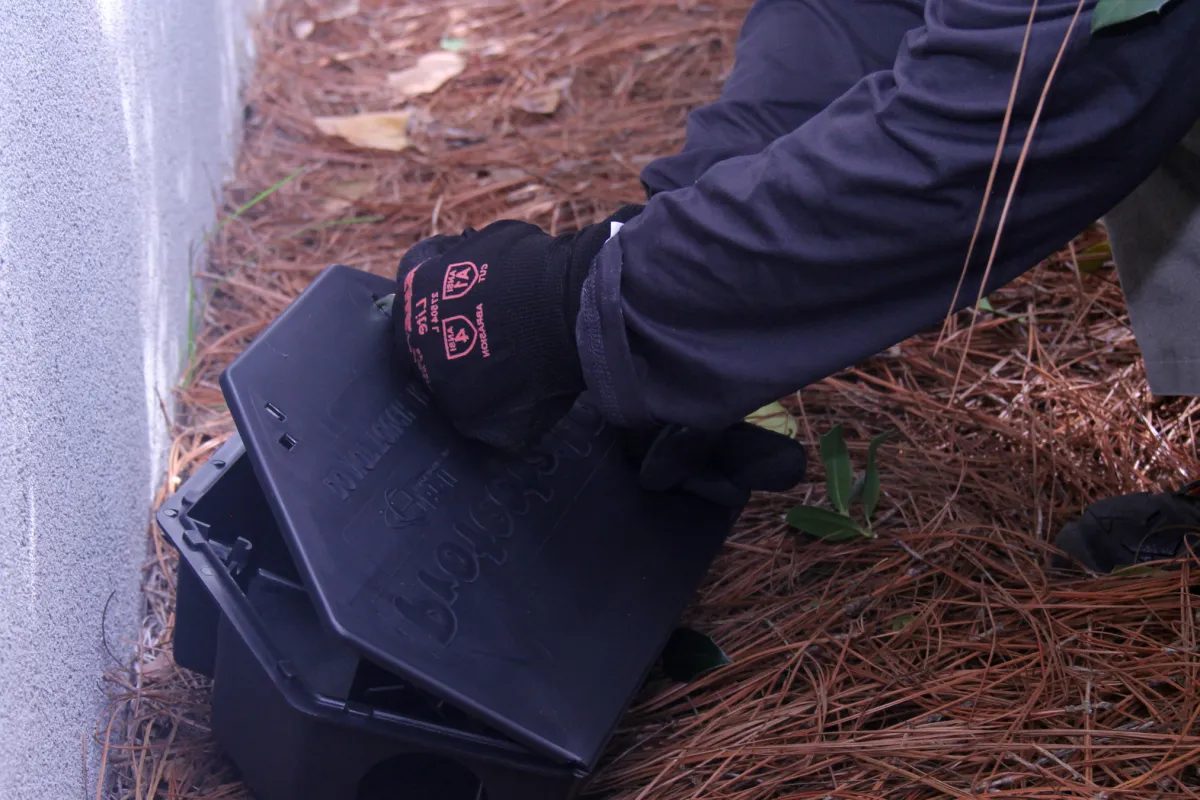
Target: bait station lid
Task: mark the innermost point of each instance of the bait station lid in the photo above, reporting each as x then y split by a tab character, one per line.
532	592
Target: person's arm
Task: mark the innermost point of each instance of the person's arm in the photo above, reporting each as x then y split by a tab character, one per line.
849	234
794	57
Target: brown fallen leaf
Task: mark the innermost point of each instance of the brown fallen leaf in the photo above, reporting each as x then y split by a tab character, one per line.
346	194
340	10
304	28
523	194
432	70
504	175
387	130
650	56
494	47
540	101
161	667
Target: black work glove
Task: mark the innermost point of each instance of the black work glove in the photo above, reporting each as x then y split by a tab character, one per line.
488	320
499	357
722	466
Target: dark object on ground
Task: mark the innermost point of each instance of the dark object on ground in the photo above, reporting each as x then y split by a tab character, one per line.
721	466
690	654
386	606
1132	529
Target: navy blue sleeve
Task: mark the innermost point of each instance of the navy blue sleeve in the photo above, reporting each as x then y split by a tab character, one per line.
849	234
831	43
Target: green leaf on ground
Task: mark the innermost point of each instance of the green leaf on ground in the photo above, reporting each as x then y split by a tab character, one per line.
903	621
774	417
839	475
452	43
1136	570
986	305
871	488
1117	12
252	202
689	654
860	481
824	524
1094	258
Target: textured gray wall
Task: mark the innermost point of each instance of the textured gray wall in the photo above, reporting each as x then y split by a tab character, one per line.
117	121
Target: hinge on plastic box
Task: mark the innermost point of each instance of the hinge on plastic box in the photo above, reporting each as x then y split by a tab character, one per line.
239	556
193	539
384	303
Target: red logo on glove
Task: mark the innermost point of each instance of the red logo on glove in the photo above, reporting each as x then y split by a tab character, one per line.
459	279
459	335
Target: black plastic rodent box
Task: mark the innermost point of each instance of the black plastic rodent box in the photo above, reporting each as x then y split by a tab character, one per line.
389	610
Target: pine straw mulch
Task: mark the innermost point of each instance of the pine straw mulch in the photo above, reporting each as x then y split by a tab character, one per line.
943	659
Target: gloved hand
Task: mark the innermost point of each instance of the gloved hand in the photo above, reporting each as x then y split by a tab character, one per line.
488	320
721	466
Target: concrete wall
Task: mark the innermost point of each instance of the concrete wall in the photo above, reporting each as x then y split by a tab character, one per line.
118	119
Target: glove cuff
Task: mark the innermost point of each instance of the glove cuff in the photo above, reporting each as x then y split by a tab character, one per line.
583	247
